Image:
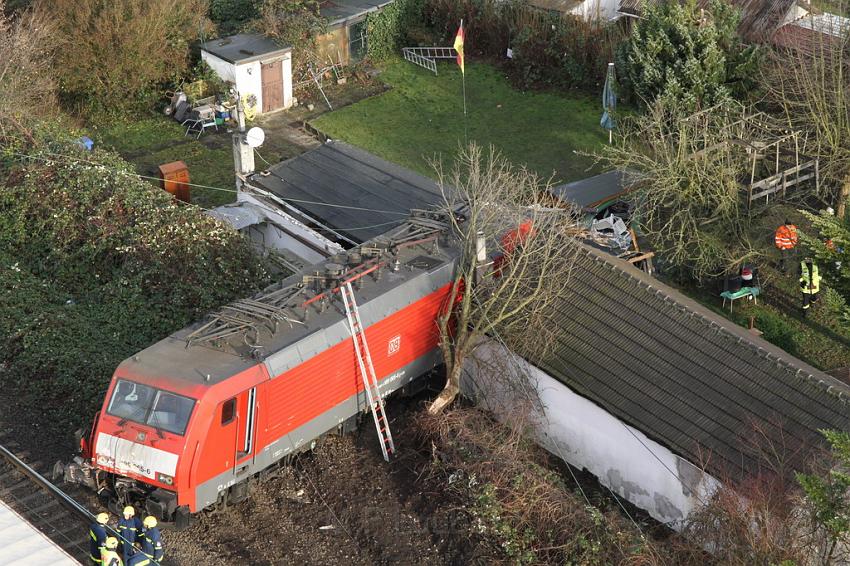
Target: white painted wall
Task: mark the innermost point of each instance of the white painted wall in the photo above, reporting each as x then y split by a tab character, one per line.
248	76
276	238
597	9
578	431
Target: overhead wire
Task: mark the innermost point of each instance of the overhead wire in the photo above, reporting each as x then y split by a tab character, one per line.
209	187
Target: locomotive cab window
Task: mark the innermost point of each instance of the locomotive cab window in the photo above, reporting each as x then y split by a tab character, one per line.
228	411
147	405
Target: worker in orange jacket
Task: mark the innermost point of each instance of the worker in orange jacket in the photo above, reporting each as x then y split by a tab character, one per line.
785	239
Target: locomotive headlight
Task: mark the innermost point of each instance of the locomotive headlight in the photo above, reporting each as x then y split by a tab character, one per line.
164	478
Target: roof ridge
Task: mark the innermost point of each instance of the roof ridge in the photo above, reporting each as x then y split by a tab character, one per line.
672	296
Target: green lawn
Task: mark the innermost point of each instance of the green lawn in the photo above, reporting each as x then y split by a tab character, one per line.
153	140
422	116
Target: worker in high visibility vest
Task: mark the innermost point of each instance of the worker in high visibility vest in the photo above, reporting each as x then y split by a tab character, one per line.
785	239
129	529
809	283
97	537
152	539
109	556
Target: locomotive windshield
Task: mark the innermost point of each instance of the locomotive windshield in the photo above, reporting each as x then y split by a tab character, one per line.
147	405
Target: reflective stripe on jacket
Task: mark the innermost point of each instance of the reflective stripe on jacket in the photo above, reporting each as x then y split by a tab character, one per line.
97	538
785	237
151	540
809	282
110	558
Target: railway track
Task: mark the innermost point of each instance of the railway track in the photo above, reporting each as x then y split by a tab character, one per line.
37	500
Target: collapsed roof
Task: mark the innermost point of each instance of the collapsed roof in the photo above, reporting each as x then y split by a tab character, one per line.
349	191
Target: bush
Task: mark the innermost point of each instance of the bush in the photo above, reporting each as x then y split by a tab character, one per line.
113	54
295	23
97	265
231	15
554	50
388	28
563	52
27	86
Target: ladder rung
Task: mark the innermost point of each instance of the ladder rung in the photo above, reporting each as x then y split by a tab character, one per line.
367	370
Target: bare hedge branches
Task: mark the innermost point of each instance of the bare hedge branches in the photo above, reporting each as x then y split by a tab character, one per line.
810	83
27	87
522	504
113	54
509	294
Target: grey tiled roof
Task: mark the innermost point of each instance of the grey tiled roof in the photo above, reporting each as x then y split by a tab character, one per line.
685	376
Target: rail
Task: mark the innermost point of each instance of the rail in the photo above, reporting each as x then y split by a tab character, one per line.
42	514
39	506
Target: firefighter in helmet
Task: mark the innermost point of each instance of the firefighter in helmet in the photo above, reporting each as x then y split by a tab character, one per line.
109	556
97	537
785	239
809	283
152	540
129	528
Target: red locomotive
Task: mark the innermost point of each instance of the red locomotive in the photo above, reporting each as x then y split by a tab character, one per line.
188	420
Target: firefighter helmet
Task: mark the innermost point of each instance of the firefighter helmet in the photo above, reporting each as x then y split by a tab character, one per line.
111	543
128	510
150	522
103	518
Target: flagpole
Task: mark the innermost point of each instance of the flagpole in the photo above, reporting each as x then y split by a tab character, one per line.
465	121
463	81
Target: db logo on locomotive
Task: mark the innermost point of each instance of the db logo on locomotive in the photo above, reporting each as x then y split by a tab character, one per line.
394	345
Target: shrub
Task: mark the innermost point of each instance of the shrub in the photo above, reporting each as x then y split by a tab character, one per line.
295	23
97	265
387	28
557	50
113	54
231	15
27	86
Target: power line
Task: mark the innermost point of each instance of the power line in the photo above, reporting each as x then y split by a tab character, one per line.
209	187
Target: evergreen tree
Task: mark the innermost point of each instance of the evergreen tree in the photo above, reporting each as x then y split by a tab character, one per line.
687	56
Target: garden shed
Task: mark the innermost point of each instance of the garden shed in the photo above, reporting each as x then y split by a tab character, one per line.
345	41
260	69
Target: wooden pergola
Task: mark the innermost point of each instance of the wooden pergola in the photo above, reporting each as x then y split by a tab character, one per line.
776	153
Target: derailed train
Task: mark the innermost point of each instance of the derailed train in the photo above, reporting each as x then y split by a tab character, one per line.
187	421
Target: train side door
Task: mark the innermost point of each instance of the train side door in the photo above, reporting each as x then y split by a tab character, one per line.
246	432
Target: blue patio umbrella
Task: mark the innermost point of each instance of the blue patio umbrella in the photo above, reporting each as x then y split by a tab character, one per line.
609	102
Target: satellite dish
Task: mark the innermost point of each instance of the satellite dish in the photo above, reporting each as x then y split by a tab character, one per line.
255	137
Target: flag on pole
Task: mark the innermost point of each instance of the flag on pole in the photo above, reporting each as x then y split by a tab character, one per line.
459	47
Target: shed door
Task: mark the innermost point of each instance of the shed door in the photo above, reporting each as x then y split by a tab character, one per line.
272	79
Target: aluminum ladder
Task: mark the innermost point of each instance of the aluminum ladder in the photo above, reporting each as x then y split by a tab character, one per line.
367	370
426	57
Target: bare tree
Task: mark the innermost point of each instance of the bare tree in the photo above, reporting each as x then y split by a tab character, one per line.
810	82
26	80
687	170
515	260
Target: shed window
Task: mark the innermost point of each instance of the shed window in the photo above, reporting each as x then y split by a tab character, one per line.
228	411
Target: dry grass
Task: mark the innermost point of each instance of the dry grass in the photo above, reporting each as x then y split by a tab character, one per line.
526	509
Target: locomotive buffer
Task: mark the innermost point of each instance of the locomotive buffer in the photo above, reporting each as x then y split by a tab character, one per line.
367	370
